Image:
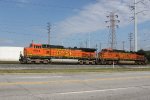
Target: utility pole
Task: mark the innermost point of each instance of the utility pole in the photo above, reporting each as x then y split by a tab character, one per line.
123	43
135	26
130	40
32	41
100	46
81	44
96	52
89	40
113	20
136	12
86	43
49	31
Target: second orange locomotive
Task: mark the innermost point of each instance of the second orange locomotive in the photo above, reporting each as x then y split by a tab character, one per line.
109	56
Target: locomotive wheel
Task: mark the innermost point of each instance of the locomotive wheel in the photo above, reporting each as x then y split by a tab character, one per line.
45	61
81	62
93	62
32	62
110	62
28	62
115	62
37	61
87	62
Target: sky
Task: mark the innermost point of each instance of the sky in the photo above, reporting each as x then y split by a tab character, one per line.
79	23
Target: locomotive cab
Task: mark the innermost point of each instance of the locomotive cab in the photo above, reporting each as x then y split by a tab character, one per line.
35	45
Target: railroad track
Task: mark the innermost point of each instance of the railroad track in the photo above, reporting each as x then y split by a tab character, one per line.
48	66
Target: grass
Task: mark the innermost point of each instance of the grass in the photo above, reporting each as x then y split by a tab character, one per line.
74	70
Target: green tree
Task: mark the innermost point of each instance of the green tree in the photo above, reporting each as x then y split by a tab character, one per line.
141	52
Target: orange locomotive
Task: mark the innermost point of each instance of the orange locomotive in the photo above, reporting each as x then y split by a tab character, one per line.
43	53
109	56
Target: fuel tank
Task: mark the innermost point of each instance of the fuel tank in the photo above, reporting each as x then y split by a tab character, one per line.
126	62
68	61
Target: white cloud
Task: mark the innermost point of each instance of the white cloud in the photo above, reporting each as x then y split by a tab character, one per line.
92	18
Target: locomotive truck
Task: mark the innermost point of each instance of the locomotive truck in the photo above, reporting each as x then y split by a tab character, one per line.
44	53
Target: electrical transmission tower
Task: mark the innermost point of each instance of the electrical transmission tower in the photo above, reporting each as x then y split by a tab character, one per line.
49	31
113	20
130	40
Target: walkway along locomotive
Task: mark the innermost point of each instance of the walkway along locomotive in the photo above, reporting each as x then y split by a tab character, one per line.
43	53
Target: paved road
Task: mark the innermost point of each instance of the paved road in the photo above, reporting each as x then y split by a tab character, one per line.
83	86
